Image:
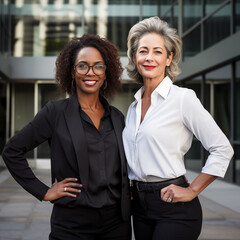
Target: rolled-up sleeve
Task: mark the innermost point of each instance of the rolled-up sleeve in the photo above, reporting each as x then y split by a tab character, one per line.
200	122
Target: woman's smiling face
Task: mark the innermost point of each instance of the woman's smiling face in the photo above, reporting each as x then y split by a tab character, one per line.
89	83
151	58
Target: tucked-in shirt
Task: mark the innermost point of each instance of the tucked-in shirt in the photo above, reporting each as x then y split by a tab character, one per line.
155	147
104	162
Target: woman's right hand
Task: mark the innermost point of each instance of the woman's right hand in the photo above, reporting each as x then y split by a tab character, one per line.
65	188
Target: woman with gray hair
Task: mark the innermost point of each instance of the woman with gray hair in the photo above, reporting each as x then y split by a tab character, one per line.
160	125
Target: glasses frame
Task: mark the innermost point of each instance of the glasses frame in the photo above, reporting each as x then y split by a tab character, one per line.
89	67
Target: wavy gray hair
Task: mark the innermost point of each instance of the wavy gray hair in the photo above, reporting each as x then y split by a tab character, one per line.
173	44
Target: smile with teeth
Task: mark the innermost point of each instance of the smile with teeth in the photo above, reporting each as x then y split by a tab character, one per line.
90	82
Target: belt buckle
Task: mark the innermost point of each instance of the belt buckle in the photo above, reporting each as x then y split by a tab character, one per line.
137	186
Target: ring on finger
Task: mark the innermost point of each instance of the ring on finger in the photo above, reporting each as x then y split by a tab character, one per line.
169	199
65	189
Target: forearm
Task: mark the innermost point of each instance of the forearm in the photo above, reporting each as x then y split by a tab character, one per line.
201	182
17	165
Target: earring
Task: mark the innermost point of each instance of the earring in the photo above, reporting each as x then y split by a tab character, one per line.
104	85
73	83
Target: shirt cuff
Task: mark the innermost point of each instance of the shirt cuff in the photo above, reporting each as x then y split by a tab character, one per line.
216	166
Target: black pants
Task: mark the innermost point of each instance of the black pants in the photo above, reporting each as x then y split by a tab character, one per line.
154	219
88	223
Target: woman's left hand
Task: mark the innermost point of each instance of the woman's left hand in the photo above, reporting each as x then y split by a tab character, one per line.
174	193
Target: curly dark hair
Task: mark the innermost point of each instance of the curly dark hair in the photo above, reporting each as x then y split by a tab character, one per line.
66	59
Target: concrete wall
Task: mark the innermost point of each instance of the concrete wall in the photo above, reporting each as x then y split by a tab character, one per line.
220	53
40	68
35	68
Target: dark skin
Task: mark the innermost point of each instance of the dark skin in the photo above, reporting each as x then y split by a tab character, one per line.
57	189
87	87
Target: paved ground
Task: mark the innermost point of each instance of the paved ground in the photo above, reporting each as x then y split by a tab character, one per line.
22	217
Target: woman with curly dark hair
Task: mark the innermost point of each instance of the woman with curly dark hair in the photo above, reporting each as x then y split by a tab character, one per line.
90	188
65	64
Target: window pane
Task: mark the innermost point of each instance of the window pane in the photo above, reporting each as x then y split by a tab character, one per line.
195	84
192	12
193	157
166	11
112	20
3	111
125	97
237	155
175	16
217	27
237	15
5	39
237	102
24	107
168	17
192	43
212	5
47	92
165	6
151	8
219	81
222	107
42	29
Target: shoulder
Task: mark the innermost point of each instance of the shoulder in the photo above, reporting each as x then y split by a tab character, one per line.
61	103
58	105
182	93
180	90
53	108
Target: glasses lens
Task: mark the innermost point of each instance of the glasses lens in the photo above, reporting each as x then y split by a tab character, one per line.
99	69
82	68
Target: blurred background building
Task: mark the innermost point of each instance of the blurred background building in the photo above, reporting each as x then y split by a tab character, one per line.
33	32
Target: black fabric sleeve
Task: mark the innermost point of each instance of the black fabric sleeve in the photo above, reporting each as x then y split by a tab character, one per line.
33	134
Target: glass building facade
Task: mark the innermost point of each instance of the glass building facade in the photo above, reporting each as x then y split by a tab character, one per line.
32	33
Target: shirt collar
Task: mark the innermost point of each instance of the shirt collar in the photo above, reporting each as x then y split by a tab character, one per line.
162	89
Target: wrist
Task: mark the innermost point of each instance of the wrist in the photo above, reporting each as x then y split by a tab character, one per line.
194	192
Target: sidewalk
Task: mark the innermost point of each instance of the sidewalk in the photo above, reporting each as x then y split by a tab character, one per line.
221	210
22	217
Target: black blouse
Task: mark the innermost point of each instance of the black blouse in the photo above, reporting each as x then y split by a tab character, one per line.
104	161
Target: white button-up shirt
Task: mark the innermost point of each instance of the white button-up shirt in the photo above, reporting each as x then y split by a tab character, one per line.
155	147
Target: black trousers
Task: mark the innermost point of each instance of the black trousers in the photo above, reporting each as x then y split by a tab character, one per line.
154	219
88	223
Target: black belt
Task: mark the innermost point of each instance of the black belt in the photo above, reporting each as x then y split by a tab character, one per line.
154	186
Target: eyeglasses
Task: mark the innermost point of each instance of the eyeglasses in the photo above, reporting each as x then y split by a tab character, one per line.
83	69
